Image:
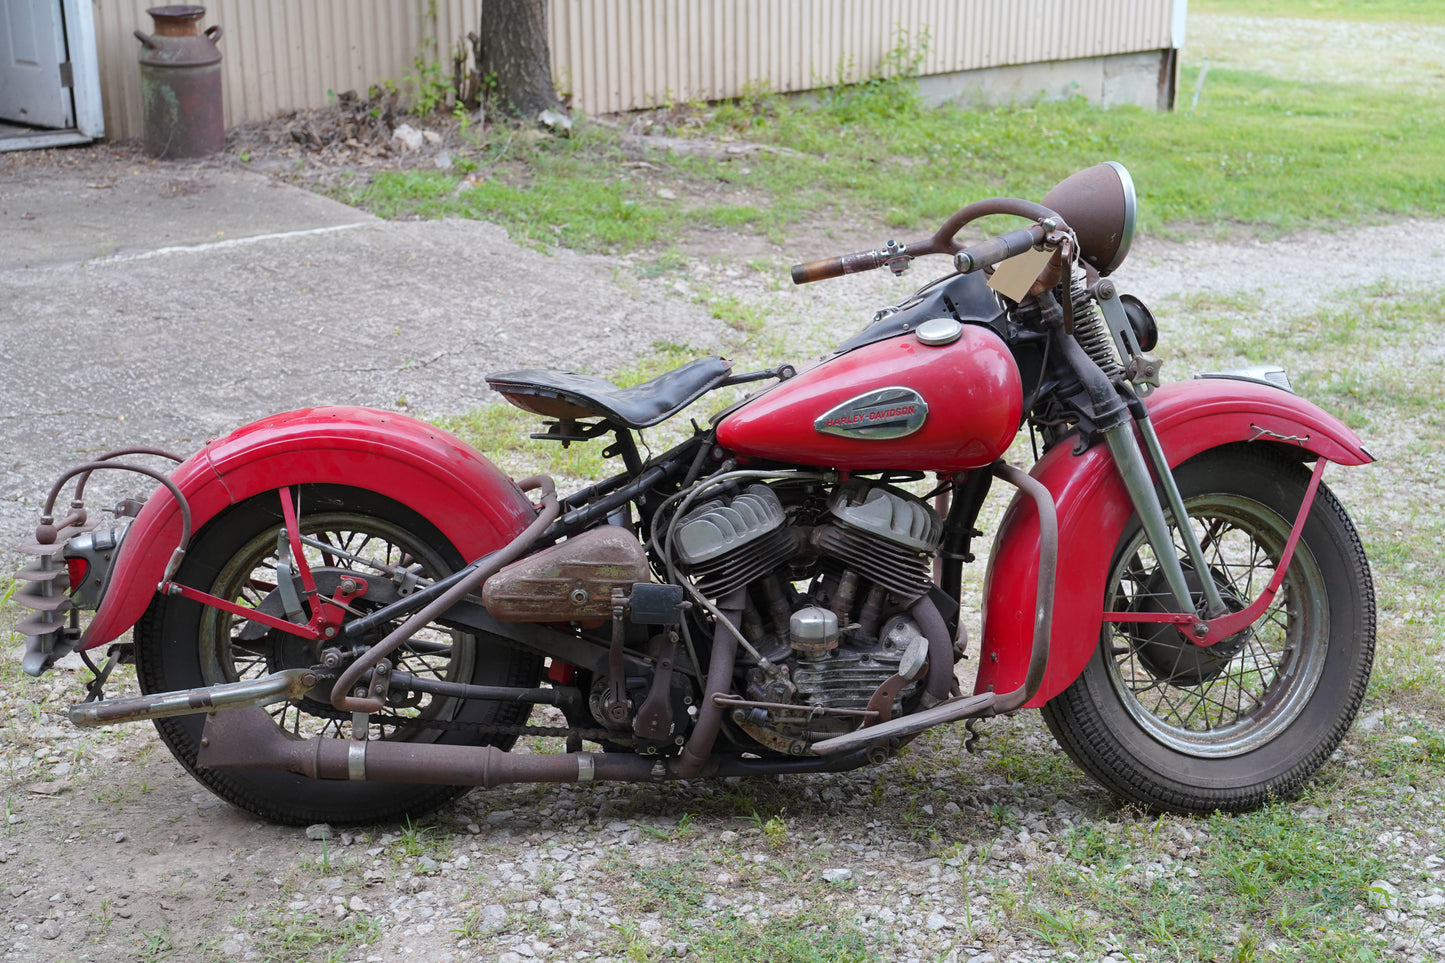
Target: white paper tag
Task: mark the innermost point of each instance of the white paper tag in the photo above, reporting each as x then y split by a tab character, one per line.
1014	277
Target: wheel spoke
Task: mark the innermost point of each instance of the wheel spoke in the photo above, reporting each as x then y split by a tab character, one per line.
250	579
1209	700
182	645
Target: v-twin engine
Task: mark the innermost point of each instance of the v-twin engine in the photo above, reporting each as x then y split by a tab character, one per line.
833	580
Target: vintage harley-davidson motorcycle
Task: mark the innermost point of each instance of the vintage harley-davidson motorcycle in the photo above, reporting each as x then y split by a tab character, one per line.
340	614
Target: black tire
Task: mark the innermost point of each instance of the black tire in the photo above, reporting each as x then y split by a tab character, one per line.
181	644
1177	728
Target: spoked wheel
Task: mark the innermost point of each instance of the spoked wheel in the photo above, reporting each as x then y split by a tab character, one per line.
181	644
1174	726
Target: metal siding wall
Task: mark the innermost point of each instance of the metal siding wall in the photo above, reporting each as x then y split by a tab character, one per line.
614	55
279	55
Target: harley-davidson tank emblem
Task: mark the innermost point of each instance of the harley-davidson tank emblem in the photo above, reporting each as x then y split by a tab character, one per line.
882	414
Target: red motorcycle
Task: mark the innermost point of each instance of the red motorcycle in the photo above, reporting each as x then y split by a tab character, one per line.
344	615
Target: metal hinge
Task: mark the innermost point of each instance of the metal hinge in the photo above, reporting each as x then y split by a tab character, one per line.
67	75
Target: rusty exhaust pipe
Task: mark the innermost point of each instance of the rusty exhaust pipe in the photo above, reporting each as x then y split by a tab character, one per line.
249	739
719	680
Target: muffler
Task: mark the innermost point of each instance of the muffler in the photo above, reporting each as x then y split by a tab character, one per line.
249	738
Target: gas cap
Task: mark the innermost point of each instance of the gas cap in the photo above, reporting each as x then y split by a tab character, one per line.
939	331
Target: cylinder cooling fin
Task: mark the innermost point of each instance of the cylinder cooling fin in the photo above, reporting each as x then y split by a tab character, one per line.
726	544
722	526
889	513
885	534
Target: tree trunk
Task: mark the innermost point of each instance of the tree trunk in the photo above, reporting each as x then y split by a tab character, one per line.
514	56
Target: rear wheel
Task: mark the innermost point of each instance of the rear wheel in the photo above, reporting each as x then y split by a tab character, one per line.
1174	726
181	644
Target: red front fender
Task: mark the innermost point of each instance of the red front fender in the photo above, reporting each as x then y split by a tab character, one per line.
472	503
1093	507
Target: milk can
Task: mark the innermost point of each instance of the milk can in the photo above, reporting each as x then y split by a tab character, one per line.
180	82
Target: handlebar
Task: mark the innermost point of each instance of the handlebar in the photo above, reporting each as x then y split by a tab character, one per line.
992	251
1000	248
834	267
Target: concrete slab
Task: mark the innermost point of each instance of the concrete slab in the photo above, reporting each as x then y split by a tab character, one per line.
62	216
167	307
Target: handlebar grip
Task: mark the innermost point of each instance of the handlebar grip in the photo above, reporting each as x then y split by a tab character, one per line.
834	267
997	249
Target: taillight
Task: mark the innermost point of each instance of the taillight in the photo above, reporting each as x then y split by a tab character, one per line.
77	568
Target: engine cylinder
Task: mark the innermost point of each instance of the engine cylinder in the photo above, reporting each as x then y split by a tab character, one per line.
885	534
727	544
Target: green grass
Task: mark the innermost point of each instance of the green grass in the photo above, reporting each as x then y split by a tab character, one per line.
306	938
1259	150
414	841
558	204
1369	11
1216	889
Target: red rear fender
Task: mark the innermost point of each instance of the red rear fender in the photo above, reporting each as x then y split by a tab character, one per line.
1093	506
468	499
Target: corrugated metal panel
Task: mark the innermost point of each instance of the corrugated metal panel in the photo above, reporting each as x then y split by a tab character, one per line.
278	55
632	54
613	55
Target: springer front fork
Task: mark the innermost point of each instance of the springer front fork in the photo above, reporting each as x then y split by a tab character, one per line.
1134	470
1211	621
1112	412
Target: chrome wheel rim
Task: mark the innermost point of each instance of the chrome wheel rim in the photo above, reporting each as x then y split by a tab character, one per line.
1232	701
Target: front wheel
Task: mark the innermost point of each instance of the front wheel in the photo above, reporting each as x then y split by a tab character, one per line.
181	644
1175	727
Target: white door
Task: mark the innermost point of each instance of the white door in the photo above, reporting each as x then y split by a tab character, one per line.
32	49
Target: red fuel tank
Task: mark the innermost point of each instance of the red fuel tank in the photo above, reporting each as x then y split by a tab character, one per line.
898	403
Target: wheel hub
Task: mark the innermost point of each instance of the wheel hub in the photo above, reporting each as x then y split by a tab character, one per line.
1166	651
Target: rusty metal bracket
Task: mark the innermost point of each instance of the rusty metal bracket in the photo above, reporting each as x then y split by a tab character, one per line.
615	707
654	717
